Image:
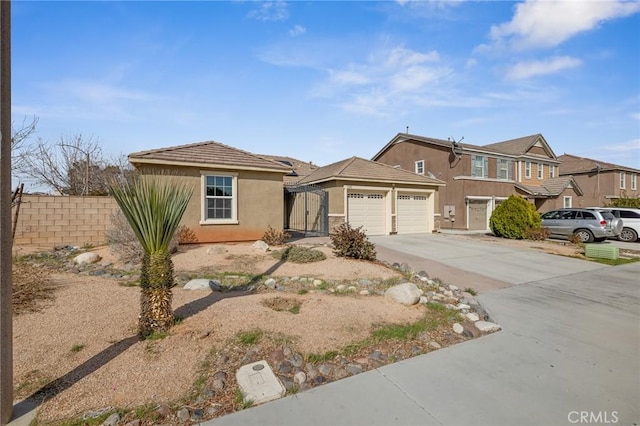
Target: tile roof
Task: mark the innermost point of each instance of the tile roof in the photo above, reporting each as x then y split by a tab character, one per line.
356	168
513	147
551	187
208	154
572	164
299	169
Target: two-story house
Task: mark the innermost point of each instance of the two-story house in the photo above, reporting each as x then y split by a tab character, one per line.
478	178
601	182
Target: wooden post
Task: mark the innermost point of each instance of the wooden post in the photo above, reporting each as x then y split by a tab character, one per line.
6	241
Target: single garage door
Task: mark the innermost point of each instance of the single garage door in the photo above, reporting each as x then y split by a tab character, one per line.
477	215
411	215
366	209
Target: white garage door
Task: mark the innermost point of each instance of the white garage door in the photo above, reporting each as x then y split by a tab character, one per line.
366	209
411	215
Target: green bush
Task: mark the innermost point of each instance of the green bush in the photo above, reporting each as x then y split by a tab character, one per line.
299	254
626	201
352	242
514	218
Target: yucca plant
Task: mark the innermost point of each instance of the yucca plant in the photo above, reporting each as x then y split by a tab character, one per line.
154	206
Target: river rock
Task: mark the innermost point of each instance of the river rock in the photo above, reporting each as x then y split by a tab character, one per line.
407	293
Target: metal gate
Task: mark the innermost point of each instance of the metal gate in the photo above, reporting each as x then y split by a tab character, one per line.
306	210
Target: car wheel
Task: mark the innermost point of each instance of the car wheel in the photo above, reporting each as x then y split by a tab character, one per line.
628	235
585	235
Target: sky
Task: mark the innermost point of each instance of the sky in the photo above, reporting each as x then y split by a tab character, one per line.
323	81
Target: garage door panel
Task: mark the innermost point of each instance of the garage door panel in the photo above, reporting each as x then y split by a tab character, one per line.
367	210
411	214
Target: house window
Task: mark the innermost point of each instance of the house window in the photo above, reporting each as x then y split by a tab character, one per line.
479	166
622	180
420	167
527	169
552	171
540	171
505	169
219	198
634	182
566	202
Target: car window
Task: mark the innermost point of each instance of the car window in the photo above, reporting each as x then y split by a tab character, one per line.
551	215
567	215
587	215
628	214
607	215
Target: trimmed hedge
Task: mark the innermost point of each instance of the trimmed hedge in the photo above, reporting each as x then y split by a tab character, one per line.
514	218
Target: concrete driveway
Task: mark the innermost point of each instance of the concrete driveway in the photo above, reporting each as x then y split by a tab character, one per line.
569	351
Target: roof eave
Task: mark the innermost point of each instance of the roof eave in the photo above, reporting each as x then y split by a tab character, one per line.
205	165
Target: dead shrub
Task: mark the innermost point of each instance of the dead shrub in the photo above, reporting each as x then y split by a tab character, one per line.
352	242
31	286
185	235
275	237
123	242
537	234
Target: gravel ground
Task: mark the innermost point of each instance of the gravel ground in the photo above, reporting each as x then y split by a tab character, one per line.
81	352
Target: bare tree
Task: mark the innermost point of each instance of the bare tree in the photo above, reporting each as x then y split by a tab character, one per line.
19	138
68	166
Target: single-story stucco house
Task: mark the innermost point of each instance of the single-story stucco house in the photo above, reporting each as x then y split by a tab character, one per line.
237	195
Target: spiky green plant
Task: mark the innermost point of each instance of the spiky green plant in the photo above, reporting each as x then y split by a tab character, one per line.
153	206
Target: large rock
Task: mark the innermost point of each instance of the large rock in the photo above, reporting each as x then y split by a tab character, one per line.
486	326
261	246
203	284
407	293
87	258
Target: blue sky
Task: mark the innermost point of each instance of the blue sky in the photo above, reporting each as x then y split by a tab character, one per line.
322	81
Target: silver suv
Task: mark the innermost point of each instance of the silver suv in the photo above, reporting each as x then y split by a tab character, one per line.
587	224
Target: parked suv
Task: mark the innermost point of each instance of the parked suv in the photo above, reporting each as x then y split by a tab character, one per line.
630	221
588	224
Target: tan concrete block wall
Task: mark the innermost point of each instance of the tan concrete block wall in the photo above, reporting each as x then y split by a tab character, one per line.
50	220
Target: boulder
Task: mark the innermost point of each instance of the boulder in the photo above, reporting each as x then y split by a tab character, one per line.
407	293
203	284
87	258
486	326
260	246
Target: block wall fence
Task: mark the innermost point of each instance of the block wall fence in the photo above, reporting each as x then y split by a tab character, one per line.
51	220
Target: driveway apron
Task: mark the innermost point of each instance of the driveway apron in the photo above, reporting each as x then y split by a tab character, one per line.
569	350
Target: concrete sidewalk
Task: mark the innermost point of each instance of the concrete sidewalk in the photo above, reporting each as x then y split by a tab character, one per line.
570	344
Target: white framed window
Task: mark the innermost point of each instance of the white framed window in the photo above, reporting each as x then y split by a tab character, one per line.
527	169
219	198
540	171
623	178
505	169
420	167
634	182
479	166
566	202
552	171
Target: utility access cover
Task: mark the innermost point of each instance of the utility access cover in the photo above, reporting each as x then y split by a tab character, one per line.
258	383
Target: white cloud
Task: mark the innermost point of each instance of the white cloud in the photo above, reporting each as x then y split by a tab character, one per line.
547	23
528	69
96	92
270	11
636	116
633	145
297	30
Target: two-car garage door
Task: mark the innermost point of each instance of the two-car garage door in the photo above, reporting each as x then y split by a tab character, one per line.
369	210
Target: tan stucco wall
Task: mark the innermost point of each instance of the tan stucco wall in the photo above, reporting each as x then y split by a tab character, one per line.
260	204
597	186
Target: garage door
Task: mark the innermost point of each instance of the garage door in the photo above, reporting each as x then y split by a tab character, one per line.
477	215
366	210
411	215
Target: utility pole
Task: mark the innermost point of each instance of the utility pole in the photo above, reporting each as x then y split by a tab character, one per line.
6	240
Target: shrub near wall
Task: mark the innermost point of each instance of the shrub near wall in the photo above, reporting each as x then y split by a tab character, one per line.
50	220
514	218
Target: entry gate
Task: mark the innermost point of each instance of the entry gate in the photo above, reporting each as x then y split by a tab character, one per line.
306	210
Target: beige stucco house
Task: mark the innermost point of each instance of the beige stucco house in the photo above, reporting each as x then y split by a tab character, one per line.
478	178
380	198
237	195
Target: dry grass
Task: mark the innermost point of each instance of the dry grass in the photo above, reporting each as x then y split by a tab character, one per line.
32	287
